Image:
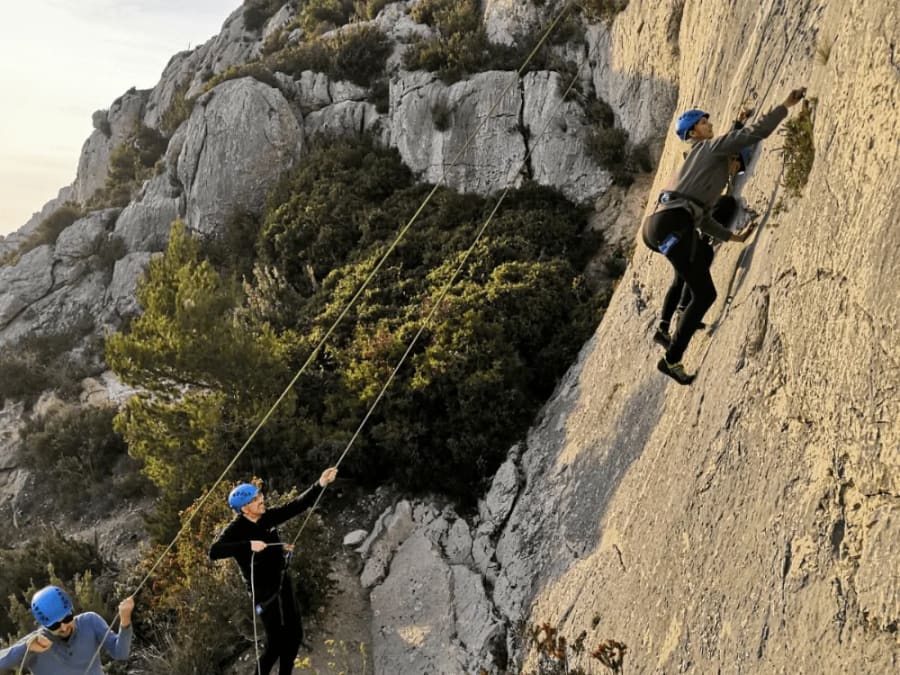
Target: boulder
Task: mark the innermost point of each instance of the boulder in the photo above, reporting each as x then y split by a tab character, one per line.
397	528
145	223
241	137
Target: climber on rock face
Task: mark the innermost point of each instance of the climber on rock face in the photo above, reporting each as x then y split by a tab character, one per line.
252	539
685	206
723	211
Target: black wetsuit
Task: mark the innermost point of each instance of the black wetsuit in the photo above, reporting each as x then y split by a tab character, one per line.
273	591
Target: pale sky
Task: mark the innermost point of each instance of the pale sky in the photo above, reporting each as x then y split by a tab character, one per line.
60	60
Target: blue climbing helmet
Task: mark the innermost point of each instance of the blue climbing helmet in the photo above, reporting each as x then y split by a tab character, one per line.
242	495
687	121
50	605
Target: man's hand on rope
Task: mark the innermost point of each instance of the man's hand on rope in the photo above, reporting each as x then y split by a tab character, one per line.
39	644
328	476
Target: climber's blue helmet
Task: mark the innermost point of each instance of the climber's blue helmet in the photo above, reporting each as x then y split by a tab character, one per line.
687	121
50	605
242	495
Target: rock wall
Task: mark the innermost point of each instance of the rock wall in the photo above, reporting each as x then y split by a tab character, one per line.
748	523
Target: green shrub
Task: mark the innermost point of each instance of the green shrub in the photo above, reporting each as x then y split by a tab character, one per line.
367	10
512	324
799	149
319	16
440	115
74	445
233	250
602	10
130	164
254	69
40	363
47	232
357	54
179	109
257	12
49	558
607	146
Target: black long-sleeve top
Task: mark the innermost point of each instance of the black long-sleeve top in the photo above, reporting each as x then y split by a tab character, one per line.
234	542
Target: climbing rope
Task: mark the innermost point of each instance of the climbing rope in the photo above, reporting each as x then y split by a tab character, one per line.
341	316
253	610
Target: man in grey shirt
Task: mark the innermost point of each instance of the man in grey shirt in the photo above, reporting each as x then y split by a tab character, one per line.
684	206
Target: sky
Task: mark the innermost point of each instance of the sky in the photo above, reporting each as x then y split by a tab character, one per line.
60	60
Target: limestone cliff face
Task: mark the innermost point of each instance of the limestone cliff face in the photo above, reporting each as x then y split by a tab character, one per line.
751	522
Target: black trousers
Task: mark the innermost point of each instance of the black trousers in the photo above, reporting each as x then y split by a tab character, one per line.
284	632
723	211
693	273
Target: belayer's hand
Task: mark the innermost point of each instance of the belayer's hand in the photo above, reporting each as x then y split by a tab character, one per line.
39	644
257	546
328	476
126	607
795	97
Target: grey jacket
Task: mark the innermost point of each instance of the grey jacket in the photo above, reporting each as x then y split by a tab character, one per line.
704	173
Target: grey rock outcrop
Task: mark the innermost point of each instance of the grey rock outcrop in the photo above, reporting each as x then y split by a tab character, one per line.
52	288
119	122
642	91
421	106
121	293
343	120
431	612
241	137
145	223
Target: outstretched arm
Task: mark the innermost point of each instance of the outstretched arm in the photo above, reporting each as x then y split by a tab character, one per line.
736	141
280	514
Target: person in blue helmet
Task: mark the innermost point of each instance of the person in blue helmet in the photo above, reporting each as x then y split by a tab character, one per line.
66	643
252	540
685	206
723	211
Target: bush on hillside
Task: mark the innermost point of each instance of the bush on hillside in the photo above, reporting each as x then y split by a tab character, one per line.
130	164
49	558
40	363
257	12
47	232
319	16
357	54
367	10
602	10
73	445
179	109
511	325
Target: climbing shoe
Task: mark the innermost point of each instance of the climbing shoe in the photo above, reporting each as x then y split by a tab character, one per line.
662	338
675	370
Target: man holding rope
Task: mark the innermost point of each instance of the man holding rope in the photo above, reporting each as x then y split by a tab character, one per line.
66	643
252	539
